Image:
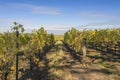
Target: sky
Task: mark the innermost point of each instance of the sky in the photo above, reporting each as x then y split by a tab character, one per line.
58	16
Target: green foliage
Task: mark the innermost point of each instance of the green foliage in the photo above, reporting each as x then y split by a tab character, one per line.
7	53
103	35
28	43
40	39
74	37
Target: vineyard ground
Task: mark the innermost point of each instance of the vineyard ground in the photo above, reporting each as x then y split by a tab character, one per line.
59	64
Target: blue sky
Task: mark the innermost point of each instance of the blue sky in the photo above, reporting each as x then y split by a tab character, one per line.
58	16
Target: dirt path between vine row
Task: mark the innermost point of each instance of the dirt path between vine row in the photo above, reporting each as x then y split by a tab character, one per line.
64	66
61	64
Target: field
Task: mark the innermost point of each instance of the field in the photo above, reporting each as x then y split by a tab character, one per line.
76	55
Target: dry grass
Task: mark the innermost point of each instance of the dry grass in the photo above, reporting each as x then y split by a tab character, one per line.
63	67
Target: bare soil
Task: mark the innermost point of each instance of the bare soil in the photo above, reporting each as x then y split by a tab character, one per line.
59	64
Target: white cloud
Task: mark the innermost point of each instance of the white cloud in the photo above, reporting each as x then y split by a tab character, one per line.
29	25
35	9
102	25
44	10
96	15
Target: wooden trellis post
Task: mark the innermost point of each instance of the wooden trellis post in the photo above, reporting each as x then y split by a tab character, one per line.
84	47
17	34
